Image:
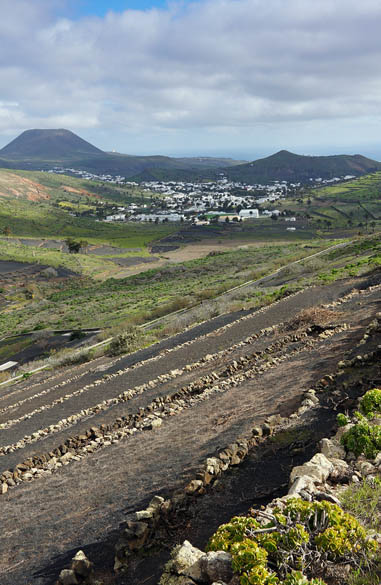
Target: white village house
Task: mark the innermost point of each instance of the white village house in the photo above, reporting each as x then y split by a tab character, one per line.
249	213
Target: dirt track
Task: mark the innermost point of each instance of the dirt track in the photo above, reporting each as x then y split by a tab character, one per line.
83	502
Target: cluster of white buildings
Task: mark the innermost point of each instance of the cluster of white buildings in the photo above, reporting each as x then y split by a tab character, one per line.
193	202
104	178
321	181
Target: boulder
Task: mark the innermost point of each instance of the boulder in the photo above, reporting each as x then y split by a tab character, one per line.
308	403
156	423
213	465
185	561
318	469
216	566
68	577
366	468
341	471
321	496
156	503
303	483
194	486
341	430
136	534
332	449
81	564
168	579
377	460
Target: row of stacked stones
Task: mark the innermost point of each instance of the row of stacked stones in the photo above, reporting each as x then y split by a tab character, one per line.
145	525
308	481
320	478
147	418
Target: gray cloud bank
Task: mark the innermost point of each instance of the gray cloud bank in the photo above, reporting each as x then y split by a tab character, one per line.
215	69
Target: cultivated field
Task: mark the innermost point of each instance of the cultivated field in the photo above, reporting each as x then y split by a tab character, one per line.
82	447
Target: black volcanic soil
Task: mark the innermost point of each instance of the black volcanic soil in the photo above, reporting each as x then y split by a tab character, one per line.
7	266
44	522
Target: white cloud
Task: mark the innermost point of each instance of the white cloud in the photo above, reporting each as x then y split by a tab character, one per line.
218	64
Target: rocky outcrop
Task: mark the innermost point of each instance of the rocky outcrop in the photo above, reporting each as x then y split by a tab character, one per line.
189	566
81	572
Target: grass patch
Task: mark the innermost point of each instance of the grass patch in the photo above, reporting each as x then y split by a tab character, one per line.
283	439
41	220
145	296
363	500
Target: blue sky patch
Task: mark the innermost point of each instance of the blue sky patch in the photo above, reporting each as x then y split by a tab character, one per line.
82	8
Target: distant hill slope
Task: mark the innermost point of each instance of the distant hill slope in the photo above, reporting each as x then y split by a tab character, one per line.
287	166
48	145
43	149
13	186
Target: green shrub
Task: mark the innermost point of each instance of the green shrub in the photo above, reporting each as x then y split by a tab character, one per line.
259	575
370	404
125	342
77	334
232	532
247	554
302	535
363	438
297	578
342	419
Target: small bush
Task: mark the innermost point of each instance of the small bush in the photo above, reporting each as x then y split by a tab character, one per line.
342	419
304	536
312	316
370	404
246	554
231	533
297	578
77	335
363	438
125	342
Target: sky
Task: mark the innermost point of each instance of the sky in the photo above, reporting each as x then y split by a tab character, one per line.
239	78
81	8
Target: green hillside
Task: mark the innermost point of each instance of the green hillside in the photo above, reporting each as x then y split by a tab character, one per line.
351	205
39	205
287	166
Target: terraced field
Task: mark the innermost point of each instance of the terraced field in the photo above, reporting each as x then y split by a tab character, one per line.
82	447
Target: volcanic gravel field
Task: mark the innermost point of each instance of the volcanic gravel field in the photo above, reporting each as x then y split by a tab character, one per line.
230	373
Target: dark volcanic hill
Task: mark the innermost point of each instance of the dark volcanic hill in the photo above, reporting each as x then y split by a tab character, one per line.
287	166
43	149
48	145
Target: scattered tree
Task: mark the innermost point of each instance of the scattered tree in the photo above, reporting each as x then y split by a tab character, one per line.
75	246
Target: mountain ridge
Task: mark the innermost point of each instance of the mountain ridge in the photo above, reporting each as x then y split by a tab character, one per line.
42	149
288	166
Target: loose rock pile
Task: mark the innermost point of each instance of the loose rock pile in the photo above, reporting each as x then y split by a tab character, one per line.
81	572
